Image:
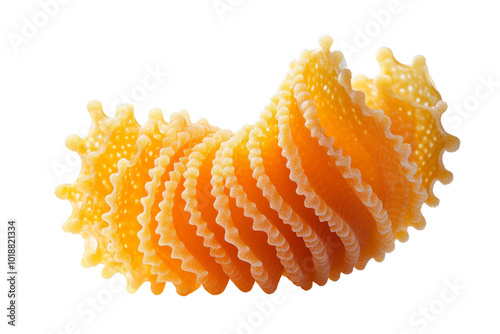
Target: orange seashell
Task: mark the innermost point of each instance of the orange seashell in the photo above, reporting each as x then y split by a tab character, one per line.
327	179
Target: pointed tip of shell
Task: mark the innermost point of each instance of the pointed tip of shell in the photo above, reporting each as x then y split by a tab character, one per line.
383	54
418	62
94	106
73	142
62	191
452	143
326	42
125	110
156	114
432	200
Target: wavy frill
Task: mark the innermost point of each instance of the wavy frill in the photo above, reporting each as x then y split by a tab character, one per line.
327	179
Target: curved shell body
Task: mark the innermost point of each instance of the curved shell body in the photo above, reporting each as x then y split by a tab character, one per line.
328	178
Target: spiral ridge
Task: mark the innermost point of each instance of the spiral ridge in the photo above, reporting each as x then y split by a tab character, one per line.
328	178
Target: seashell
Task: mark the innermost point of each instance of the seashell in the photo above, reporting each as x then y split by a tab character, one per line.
327	179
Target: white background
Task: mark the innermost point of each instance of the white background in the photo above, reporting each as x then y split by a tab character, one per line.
225	66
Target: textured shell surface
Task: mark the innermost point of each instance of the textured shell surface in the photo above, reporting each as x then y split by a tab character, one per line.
331	175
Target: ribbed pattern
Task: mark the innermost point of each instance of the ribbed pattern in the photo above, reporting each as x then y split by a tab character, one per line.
327	179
